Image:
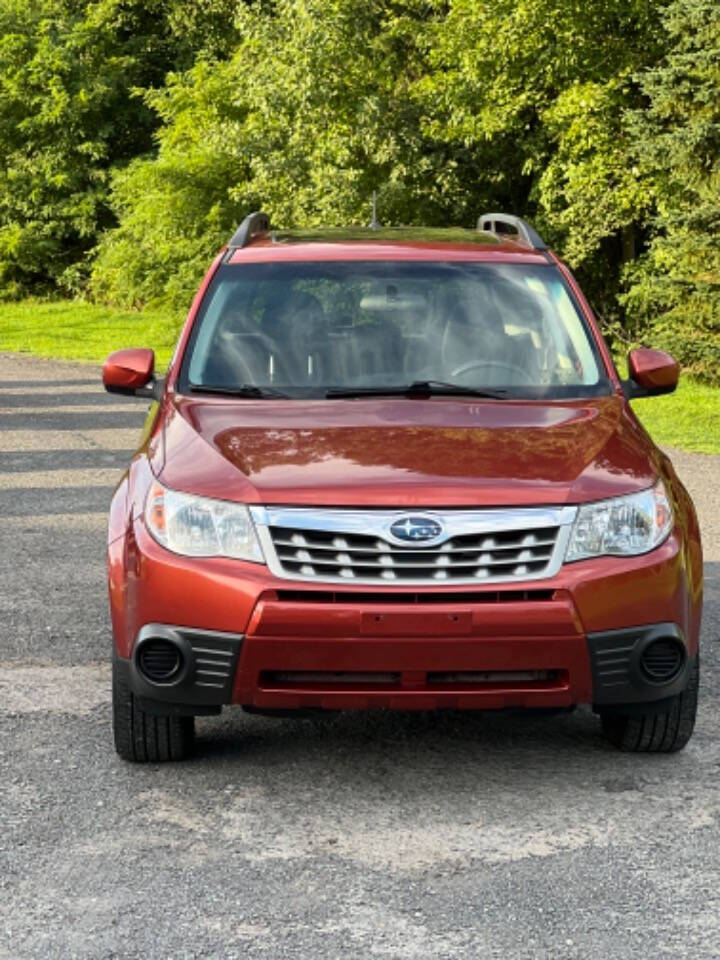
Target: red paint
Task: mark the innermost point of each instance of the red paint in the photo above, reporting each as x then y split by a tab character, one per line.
394	452
653	369
128	369
437	452
267	252
152	585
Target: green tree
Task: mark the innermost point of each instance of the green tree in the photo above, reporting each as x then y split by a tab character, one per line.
68	116
536	90
596	118
311	114
447	108
176	209
674	289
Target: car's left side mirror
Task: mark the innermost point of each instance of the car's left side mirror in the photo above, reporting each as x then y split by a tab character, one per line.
132	372
652	372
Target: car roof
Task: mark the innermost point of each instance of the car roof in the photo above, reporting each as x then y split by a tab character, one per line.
384	243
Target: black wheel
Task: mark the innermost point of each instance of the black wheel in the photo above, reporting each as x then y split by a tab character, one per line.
142	737
656	732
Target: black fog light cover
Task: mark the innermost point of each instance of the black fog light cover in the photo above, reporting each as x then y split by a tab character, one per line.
662	660
159	660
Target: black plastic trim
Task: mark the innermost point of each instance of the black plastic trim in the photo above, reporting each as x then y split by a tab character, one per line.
615	663
252	225
159	708
629	709
153	390
634	391
203	684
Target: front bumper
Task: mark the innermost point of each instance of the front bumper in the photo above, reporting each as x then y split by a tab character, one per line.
291	646
405	673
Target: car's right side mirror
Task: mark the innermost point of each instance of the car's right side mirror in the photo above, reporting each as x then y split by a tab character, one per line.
652	372
132	372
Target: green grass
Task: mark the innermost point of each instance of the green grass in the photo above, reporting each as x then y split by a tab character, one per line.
73	330
688	419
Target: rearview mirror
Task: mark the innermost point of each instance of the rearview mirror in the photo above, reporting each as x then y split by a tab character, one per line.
652	372
131	372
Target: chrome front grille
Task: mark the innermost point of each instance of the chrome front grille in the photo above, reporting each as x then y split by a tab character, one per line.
356	546
351	556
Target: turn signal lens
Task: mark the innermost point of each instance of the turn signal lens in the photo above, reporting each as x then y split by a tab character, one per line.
199	527
623	526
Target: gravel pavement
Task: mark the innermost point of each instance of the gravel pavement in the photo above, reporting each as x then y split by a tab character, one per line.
364	836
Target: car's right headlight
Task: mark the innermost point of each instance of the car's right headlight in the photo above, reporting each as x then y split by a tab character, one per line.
200	527
622	526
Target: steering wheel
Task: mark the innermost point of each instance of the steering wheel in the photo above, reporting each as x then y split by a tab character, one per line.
478	364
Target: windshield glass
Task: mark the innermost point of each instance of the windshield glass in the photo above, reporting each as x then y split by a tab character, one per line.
306	328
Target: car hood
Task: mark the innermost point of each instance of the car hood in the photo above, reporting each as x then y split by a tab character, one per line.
435	451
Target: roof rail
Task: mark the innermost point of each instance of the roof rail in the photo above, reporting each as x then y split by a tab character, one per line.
252	225
496	222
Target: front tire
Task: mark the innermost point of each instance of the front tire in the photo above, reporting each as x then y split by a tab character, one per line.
142	737
665	732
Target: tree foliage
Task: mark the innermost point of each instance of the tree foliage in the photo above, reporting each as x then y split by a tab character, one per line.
139	134
444	109
176	208
538	89
674	293
69	117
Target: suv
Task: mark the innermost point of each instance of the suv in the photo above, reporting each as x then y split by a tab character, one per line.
397	468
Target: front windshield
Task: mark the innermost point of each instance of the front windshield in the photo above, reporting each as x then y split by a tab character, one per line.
304	329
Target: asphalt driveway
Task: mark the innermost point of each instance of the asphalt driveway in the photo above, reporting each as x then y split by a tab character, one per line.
370	835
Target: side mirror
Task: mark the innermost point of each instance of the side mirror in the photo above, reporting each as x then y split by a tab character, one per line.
131	372
652	372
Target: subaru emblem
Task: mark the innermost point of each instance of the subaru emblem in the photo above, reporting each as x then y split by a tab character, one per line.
415	529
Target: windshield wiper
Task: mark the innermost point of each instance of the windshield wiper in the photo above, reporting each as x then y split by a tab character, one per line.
243	390
418	388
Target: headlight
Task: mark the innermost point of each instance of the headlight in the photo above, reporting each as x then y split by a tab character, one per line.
623	526
198	527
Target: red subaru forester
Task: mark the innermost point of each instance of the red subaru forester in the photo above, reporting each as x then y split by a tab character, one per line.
397	468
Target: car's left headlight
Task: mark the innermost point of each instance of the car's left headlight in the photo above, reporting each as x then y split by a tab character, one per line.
200	527
623	526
